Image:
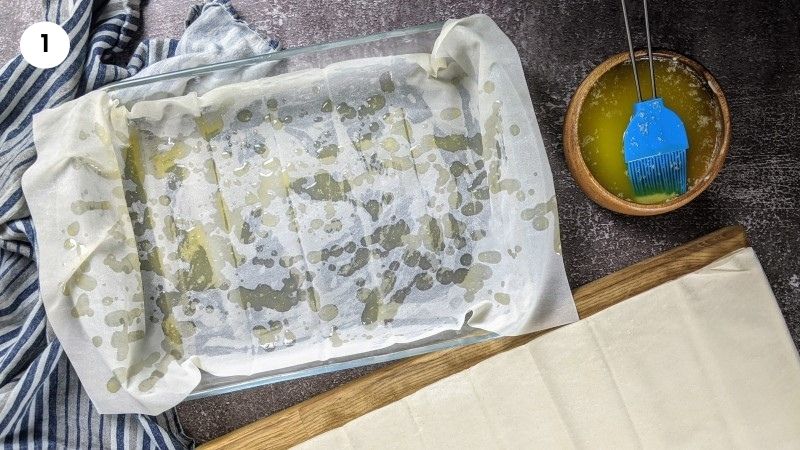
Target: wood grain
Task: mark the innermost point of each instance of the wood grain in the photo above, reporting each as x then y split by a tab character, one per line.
377	389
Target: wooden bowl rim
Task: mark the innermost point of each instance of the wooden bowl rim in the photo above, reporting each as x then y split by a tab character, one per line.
583	176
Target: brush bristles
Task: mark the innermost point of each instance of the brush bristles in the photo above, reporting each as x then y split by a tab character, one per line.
660	174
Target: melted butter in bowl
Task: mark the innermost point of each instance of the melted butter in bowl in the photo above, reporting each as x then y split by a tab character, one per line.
608	108
601	109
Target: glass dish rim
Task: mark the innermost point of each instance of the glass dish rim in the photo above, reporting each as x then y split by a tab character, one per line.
323	367
276	55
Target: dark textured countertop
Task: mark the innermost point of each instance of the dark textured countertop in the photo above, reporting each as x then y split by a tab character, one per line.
752	47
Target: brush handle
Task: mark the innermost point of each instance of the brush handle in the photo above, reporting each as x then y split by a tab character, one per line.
630	49
649	49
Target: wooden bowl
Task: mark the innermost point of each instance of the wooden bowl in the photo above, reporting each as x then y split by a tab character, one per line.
593	188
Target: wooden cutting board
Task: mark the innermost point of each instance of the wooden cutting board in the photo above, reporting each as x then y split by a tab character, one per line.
391	383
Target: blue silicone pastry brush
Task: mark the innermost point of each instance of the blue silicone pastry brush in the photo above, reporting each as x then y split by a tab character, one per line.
655	141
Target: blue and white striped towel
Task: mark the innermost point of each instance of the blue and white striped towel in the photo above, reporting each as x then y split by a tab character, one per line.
42	403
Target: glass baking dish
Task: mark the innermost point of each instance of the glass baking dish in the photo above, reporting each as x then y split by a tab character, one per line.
418	39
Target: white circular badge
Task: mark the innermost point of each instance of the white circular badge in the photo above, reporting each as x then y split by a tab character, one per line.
44	45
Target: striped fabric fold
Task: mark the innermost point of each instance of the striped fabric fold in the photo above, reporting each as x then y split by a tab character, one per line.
42	403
